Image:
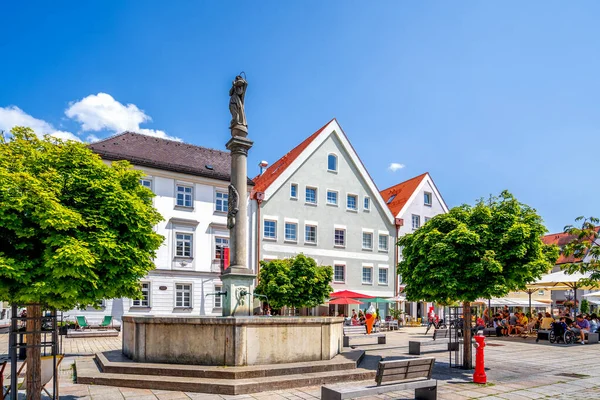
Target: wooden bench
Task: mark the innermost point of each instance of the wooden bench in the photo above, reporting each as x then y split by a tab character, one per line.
392	376
414	347
360	331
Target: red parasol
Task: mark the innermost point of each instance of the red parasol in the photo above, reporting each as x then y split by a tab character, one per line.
349	294
344	300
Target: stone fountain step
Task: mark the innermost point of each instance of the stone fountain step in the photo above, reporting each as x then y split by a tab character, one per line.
114	362
89	373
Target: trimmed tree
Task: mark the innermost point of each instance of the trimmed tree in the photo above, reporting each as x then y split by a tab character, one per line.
294	282
73	230
585	247
481	251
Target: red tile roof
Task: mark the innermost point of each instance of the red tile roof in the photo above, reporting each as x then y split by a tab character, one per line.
402	191
561	239
263	181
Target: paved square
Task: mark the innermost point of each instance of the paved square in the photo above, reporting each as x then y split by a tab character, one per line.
517	369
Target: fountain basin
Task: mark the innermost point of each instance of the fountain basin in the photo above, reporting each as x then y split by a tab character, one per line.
231	341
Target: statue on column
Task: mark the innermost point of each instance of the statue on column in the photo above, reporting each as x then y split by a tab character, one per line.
236	104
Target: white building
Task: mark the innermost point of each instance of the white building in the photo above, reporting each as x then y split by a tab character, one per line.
415	202
319	200
190	184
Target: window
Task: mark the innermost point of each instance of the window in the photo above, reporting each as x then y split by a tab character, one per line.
331	162
383	242
367	203
351	202
427	198
541	292
392	197
184	196
383	276
145	300
270	230
294	191
311	195
291	231
183	295
339	273
367	242
220	244
147	183
426	220
340	237
218	301
332	197
367	275
310	234
222	202
184	245
416	221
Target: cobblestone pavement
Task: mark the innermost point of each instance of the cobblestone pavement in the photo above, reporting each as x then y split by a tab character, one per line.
517	369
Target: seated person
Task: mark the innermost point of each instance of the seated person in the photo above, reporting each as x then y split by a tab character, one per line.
479	325
594	323
546	322
513	326
499	325
568	319
581	327
559	327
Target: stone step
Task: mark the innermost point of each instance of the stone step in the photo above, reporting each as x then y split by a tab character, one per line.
88	373
114	362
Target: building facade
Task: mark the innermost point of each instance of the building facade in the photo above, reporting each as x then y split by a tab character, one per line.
414	202
190	184
319	200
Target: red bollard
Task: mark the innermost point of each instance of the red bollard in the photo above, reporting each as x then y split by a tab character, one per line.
479	376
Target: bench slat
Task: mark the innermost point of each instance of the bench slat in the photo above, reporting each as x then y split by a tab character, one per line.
403	370
406	362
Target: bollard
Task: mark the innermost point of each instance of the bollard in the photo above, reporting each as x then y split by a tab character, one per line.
479	376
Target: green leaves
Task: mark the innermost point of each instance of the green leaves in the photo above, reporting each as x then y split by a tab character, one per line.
585	249
477	251
294	282
73	230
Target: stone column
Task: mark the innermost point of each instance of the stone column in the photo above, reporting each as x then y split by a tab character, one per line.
238	279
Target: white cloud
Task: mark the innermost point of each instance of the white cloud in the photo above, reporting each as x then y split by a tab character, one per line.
12	116
102	112
92	138
395	166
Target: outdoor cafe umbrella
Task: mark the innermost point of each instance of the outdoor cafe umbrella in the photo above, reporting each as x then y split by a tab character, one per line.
349	294
560	280
593	294
345	300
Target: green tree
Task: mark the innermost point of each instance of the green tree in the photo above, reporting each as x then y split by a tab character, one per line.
294	282
480	251
73	230
585	248
585	306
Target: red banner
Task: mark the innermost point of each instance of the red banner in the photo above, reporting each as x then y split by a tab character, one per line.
226	258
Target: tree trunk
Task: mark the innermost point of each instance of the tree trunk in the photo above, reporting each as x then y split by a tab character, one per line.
34	362
467	347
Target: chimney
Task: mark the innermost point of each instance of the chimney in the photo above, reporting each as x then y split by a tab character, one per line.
262	165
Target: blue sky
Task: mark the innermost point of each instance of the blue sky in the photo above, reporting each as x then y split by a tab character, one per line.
485	96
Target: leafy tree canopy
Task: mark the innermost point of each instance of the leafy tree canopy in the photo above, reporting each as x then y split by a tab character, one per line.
480	251
294	282
73	230
585	247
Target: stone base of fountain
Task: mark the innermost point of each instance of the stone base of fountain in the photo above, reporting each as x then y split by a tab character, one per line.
231	341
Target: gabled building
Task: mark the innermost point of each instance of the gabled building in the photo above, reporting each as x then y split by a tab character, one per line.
191	187
414	202
561	240
319	200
